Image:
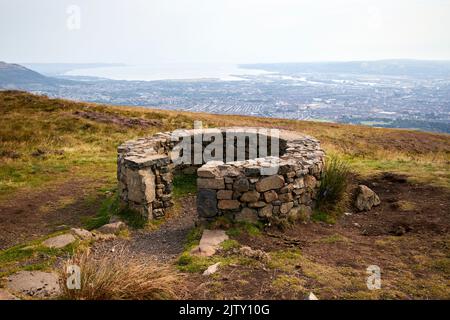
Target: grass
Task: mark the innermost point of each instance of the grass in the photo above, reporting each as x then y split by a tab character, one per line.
110	207
196	264
75	146
333	185
184	184
33	256
121	278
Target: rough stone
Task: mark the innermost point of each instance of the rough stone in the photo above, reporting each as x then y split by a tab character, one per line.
247	215
265	212
34	283
141	186
285	197
113	228
145	173
206	203
270	183
366	198
257	204
82	233
250	196
215	183
60	241
211	269
311	296
286	207
228	204
270	196
310	182
207	172
224	194
241	185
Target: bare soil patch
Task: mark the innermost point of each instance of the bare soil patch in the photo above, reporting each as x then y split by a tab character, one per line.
30	214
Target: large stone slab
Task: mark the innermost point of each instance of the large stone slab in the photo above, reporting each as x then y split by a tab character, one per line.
141	185
206	203
34	284
209	243
60	241
210	183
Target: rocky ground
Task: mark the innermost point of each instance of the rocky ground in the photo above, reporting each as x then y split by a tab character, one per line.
407	236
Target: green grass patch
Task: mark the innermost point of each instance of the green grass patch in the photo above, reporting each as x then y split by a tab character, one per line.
323	216
242	227
184	184
33	255
333	185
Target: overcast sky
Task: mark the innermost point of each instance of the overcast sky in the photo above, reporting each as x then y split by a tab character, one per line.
236	31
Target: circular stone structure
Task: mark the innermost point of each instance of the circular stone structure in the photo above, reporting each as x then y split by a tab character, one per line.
251	174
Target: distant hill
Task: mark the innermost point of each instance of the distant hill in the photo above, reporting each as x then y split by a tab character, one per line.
15	76
382	67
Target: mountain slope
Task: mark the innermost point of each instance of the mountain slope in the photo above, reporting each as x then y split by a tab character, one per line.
15	76
41	138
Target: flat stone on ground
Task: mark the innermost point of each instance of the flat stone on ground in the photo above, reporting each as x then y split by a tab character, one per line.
210	241
60	241
34	283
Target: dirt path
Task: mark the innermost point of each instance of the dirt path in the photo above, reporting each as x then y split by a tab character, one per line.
163	244
30	214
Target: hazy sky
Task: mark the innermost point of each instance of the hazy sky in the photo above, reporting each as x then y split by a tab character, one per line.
159	31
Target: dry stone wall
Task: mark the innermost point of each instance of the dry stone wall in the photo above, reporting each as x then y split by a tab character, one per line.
269	187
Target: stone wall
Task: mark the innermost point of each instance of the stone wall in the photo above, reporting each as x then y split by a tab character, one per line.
281	187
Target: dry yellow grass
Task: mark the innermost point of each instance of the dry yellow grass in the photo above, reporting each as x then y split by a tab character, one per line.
77	146
117	277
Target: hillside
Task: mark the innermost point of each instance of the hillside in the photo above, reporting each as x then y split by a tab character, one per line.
58	170
14	75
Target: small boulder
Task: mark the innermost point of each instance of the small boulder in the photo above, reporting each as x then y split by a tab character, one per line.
112	228
366	198
82	233
311	296
211	269
60	241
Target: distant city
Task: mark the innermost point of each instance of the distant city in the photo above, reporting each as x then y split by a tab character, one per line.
392	93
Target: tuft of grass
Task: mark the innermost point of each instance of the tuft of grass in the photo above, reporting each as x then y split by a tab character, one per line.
404	205
110	207
229	244
119	278
238	228
333	184
323	216
285	283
